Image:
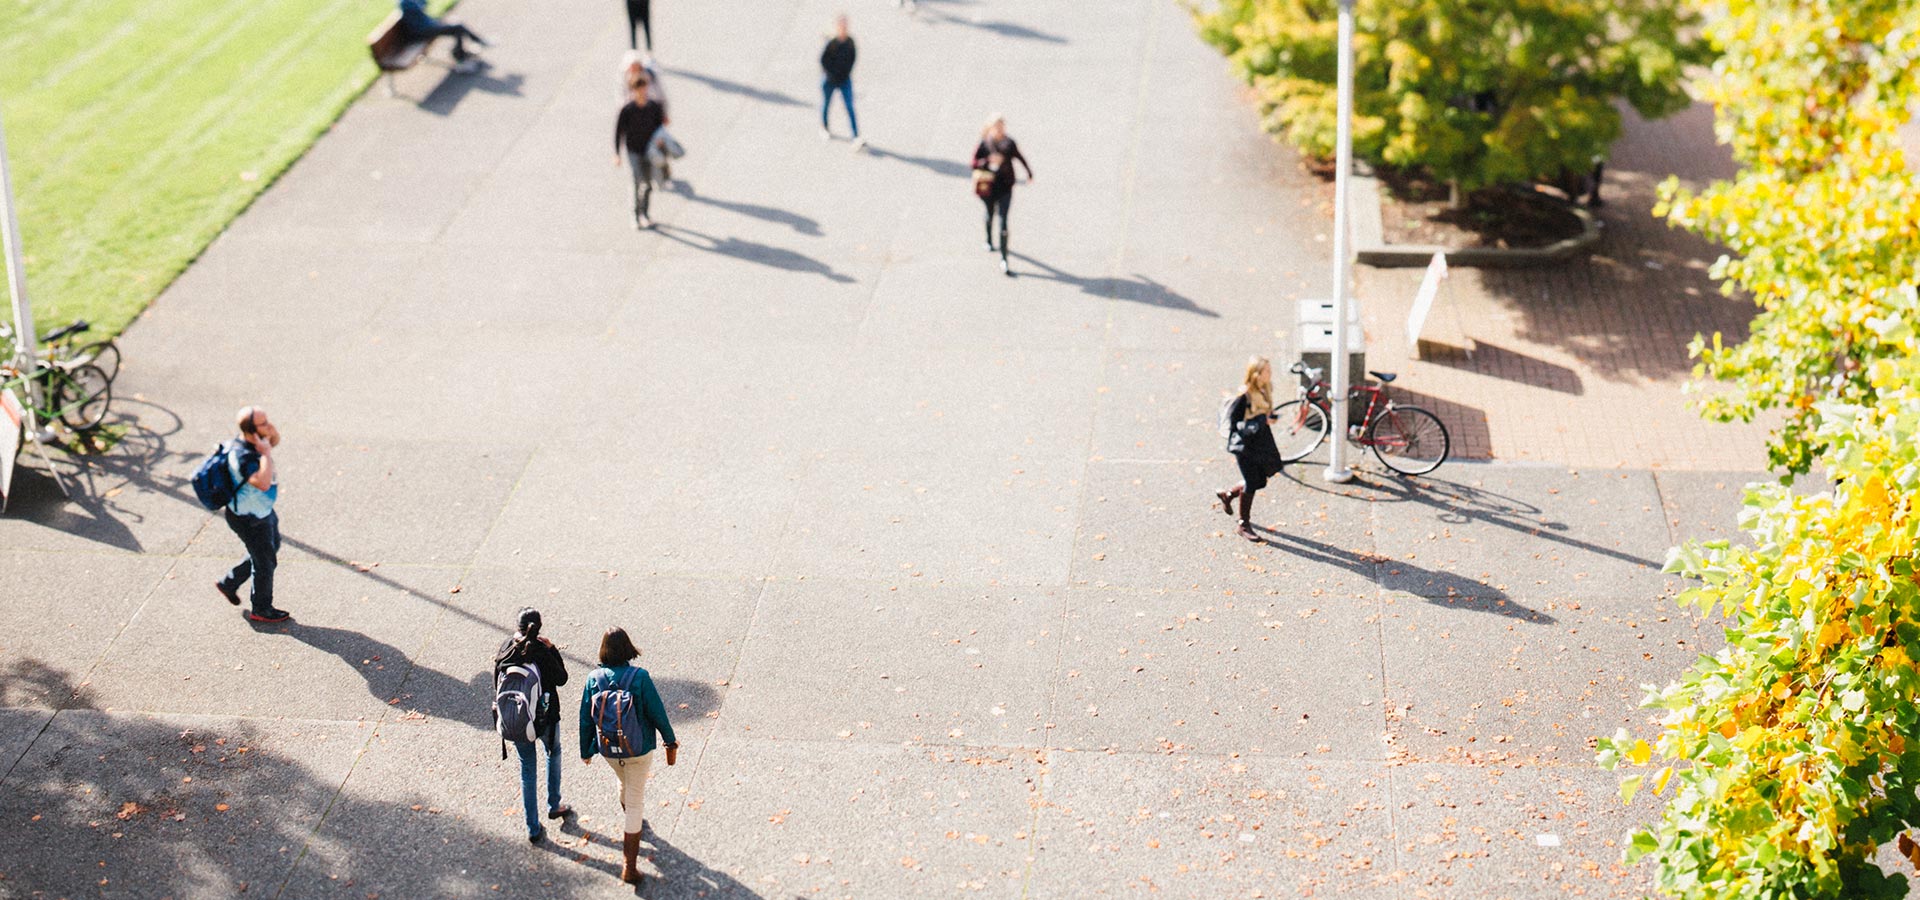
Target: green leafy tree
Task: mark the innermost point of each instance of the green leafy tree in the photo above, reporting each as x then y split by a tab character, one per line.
1795	751
1822	222
1475	92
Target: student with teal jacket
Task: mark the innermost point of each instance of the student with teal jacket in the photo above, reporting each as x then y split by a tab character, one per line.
620	710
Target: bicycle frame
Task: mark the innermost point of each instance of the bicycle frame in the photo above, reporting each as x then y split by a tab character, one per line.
1316	392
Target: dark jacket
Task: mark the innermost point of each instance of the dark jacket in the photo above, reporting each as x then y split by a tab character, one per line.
546	660
1003	176
1252	446
636	125
837	60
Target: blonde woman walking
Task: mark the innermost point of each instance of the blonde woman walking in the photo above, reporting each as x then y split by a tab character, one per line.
620	710
993	178
1250	440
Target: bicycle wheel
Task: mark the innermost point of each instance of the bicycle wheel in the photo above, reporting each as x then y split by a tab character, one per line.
1298	428
1408	440
82	395
103	355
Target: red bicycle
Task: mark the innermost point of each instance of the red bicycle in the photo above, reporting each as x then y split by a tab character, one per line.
1407	439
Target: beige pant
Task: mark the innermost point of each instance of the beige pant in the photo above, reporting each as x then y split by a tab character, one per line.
633	788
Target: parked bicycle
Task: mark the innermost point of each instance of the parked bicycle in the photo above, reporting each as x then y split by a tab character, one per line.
1406	439
77	395
59	347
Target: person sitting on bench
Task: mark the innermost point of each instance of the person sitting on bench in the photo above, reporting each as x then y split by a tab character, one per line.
419	26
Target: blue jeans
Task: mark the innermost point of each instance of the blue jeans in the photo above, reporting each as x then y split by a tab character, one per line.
827	87
528	763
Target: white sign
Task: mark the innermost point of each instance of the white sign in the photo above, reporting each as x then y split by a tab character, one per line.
12	414
1423	301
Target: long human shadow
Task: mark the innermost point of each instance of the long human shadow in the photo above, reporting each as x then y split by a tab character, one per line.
946	168
447	95
239	807
1138	289
393	677
736	88
751	251
1431	585
995	27
793	220
1459	504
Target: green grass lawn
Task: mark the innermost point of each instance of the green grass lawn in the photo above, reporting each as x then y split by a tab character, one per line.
137	129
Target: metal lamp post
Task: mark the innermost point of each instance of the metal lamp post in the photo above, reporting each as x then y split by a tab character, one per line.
16	271
1337	470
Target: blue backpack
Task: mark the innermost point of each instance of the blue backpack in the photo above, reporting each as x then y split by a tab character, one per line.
213	482
617	720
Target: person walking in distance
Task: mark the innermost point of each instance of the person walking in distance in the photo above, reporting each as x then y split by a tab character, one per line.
421	27
1250	440
639	22
993	170
251	514
632	133
527	660
836	66
620	710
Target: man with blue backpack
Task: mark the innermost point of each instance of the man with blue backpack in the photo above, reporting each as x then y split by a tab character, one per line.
239	477
620	710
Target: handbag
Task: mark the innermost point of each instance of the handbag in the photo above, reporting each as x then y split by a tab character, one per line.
982	182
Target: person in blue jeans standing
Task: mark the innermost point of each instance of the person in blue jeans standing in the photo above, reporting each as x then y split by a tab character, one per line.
251	514
836	64
527	648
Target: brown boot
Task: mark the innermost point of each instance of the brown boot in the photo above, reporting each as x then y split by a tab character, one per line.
630	850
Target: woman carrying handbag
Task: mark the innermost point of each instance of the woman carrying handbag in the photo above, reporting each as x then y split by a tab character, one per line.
1249	421
620	710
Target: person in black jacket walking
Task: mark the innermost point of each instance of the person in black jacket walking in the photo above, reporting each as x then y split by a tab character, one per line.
632	133
1250	440
527	648
996	155
639	21
836	66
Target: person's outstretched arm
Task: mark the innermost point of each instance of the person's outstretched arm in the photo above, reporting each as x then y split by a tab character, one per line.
1014	149
588	744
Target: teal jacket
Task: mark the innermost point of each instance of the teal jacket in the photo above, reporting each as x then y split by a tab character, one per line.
653	711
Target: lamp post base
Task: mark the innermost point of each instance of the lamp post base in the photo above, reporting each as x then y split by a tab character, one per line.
1337	476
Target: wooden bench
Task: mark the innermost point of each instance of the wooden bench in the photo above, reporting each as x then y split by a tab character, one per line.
391	49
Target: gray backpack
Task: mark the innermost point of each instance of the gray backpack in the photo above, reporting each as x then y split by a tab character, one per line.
516	703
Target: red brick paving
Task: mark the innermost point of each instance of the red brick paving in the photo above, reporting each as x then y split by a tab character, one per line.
1582	363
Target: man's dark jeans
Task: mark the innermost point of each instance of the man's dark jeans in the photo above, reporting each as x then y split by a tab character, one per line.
461	34
262	539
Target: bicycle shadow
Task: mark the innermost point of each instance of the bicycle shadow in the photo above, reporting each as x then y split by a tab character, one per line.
100	487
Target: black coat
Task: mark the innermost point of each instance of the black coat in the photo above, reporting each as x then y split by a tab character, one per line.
1251	443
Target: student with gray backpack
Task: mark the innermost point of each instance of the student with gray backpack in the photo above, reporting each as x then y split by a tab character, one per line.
620	710
527	675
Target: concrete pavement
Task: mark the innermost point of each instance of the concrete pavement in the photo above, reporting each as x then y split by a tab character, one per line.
920	555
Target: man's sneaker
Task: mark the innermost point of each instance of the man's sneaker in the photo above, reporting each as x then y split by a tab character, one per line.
646	222
232	595
826	135
1004	268
859	144
537	836
269	615
989	246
